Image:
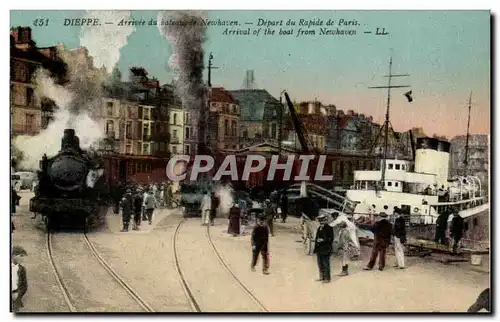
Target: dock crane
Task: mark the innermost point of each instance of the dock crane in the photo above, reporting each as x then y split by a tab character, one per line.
304	140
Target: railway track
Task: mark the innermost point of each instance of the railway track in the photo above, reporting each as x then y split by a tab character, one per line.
195	306
119	280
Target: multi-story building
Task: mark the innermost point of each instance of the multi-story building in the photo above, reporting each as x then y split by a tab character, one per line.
260	116
223	120
478	156
314	118
29	113
134	118
176	117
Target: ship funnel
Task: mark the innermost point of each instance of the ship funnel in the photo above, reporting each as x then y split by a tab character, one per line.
432	156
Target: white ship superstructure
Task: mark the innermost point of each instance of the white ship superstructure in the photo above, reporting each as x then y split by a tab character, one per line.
421	190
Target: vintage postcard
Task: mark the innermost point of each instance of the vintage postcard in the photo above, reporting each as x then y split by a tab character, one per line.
250	161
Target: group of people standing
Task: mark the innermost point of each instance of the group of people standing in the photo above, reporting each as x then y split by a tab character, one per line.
139	205
348	244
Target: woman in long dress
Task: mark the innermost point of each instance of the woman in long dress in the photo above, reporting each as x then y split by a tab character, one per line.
234	220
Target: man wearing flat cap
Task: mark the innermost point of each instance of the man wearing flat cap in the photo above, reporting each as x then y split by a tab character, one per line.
127	205
18	277
323	248
382	231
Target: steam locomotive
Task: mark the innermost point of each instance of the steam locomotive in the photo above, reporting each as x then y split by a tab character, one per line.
72	190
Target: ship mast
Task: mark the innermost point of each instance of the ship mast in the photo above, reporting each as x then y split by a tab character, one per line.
385	126
466	159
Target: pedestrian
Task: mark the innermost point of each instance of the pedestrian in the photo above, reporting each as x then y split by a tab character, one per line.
441	225
284	207
456	230
137	209
234	220
19	280
14	202
144	196
354	246
323	248
214	200
482	302
382	231
245	220
269	215
168	195
206	203
260	245
127	205
345	248
399	240
149	205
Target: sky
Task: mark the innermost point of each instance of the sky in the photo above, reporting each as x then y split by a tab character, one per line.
446	53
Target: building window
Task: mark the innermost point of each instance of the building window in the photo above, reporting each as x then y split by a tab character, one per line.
187	149
187	133
145	148
391	166
397	166
396	184
109	127
128	130
128	148
186	117
175	118
274	132
234	128
403	167
146	113
30	96
389	184
226	128
30	123
475	222
174	149
109	109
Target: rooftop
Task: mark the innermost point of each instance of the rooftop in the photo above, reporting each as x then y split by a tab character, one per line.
254	102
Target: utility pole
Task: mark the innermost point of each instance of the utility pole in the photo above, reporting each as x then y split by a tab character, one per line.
466	159
386	125
205	116
210	67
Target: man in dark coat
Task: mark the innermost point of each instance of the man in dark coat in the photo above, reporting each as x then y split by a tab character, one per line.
382	231
213	208
260	245
137	198
482	302
441	225
456	230
19	278
14	202
127	205
323	248
284	207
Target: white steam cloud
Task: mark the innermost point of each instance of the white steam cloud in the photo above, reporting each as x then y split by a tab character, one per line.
80	100
105	42
225	195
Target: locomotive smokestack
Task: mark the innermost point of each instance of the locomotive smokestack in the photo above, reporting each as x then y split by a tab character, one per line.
69	139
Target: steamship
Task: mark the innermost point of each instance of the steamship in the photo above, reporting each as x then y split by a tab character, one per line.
421	189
